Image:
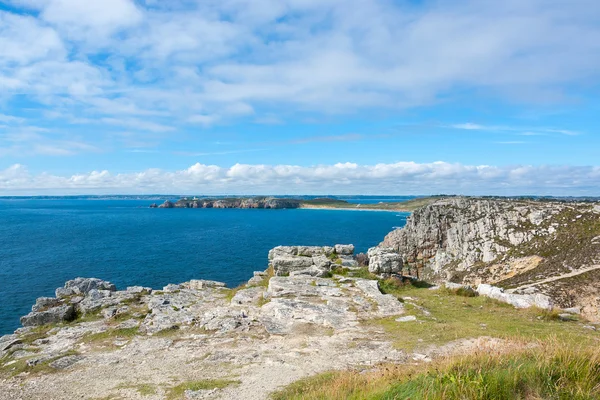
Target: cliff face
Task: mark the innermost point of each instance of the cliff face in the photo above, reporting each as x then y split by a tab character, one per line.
262	202
535	246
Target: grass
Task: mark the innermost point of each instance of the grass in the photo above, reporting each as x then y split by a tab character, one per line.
38	332
178	392
21	366
110	335
456	317
144	389
406	206
552	370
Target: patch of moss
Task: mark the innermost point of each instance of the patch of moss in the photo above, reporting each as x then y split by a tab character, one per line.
110	335
178	392
144	389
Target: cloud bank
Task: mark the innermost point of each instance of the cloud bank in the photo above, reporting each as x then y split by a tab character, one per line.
149	65
341	178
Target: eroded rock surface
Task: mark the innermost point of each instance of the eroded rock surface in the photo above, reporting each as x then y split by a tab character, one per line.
298	325
310	260
548	247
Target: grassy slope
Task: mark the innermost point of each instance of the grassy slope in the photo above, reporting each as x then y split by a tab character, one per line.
405	206
456	317
546	371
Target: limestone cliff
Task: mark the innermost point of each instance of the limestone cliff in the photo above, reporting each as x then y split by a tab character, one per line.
255	202
531	246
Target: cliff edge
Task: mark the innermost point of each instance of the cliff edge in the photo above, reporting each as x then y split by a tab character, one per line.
523	246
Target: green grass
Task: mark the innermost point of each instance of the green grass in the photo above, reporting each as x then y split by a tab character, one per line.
38	332
110	335
178	391
455	317
43	367
553	370
406	206
144	389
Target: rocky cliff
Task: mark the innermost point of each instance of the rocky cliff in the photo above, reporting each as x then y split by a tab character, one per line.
255	202
523	246
314	309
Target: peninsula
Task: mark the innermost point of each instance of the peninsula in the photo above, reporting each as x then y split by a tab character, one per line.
281	203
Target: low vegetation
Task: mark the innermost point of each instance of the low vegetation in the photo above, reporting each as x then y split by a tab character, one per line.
451	316
269	273
108	336
533	363
24	365
403	206
144	389
178	392
551	370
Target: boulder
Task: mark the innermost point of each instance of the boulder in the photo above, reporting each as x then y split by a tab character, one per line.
284	265
349	262
44	303
309	251
321	261
283	251
66	362
53	315
517	300
198	284
312	271
96	299
384	260
248	296
306	251
344	249
139	290
84	286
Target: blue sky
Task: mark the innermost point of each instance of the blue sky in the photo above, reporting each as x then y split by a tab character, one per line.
300	96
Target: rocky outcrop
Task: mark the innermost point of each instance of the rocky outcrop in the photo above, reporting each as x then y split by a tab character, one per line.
79	296
517	300
257	202
83	286
385	261
518	245
297	325
53	315
310	260
265	321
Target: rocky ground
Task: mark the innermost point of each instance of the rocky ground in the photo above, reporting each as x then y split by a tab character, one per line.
144	343
320	308
524	246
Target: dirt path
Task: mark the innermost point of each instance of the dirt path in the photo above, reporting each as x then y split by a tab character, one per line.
557	278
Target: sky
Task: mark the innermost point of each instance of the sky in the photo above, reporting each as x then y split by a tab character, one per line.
300	97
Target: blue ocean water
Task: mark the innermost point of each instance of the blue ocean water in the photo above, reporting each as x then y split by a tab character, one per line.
47	242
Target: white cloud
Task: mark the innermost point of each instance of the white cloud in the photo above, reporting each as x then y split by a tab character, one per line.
468	126
525	131
341	178
225	59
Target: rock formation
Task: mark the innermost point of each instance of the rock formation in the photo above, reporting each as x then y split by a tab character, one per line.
310	260
256	202
526	247
299	317
125	334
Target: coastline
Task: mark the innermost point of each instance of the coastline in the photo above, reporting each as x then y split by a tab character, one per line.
352	209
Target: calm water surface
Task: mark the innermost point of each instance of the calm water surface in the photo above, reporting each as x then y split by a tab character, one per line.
47	242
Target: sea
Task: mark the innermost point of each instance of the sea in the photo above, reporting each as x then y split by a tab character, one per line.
45	242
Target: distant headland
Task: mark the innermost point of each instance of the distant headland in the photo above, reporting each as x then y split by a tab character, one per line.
291	203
